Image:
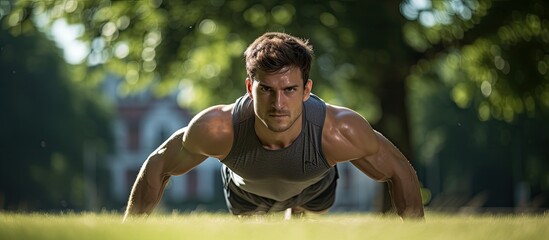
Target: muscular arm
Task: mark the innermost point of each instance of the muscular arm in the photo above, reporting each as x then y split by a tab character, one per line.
171	158
353	139
208	134
388	164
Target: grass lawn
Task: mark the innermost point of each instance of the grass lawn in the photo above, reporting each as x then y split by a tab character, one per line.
333	226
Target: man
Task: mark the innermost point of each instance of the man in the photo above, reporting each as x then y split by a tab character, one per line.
279	144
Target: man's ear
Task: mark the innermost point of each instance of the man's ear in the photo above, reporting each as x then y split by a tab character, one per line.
307	89
249	83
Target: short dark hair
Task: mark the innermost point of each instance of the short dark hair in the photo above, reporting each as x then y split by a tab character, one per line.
274	51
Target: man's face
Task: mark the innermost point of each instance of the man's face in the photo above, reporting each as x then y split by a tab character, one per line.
278	98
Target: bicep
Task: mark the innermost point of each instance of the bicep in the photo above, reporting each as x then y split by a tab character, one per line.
207	134
384	162
172	158
352	139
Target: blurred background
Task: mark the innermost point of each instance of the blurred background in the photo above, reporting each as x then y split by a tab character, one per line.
90	87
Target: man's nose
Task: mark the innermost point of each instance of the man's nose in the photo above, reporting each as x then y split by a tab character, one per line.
278	100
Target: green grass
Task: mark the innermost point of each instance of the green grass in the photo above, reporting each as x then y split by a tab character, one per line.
225	226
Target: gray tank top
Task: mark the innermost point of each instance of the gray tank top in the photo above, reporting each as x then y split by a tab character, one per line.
283	173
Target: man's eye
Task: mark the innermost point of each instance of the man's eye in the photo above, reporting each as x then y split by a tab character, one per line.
264	89
290	89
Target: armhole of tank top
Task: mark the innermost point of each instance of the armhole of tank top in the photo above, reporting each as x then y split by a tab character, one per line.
320	148
238	118
237	109
322	105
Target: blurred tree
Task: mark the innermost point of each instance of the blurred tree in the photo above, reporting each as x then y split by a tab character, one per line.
46	122
481	100
494	54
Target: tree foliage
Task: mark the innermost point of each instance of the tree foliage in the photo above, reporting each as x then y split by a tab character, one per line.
480	98
494	54
47	121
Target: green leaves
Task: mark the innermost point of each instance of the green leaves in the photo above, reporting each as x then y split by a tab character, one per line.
497	62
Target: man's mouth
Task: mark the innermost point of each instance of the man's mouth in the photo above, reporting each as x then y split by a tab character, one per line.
278	114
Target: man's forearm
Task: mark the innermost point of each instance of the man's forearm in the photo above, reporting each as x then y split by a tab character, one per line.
140	202
406	198
143	200
146	192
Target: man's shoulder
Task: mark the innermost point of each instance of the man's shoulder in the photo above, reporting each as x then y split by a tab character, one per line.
346	120
341	119
338	114
216	112
210	132
346	134
213	120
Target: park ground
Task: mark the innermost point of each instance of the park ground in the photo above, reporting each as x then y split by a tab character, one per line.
224	226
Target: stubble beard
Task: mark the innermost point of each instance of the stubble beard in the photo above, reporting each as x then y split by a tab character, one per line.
282	128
